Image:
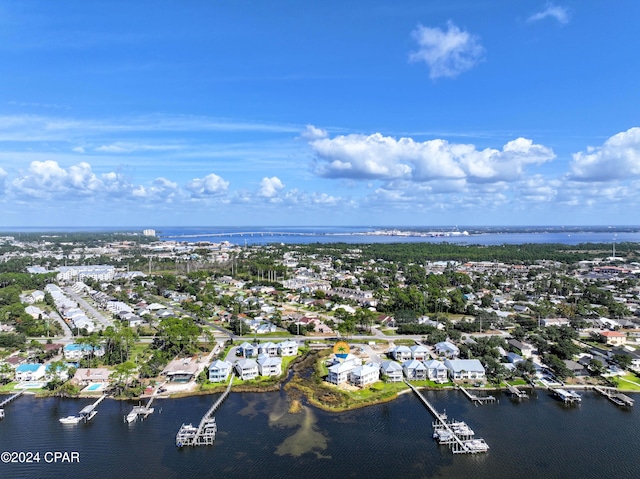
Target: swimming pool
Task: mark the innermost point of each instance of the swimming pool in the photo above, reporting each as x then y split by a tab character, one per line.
94	387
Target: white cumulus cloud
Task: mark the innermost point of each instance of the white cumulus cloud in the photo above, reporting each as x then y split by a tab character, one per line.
447	53
617	158
313	133
269	187
561	14
385	158
210	185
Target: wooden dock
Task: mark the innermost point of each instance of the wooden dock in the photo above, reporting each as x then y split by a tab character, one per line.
569	397
205	433
477	399
514	391
88	412
615	397
141	411
457	435
8	400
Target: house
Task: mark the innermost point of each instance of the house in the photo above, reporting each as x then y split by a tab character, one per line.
30	372
339	373
75	352
247	369
577	369
92	375
436	370
181	370
546	322
392	370
268	348
414	370
288	348
419	352
400	353
60	372
526	350
219	371
614	338
269	366
447	349
364	375
247	350
514	358
465	369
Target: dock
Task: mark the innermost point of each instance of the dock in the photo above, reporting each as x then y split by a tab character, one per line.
456	434
140	411
88	412
477	399
618	399
205	433
569	397
8	400
514	391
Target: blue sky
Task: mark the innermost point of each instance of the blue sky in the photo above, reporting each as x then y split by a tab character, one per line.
319	113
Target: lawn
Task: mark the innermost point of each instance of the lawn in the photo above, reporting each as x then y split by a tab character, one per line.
627	382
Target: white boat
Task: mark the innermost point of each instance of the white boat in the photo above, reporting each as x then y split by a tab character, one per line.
70	420
132	416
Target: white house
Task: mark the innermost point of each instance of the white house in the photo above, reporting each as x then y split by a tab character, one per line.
400	353
447	349
465	369
30	372
419	352
364	375
247	369
288	348
247	350
436	370
269	366
414	370
392	370
268	348
219	371
339	373
75	352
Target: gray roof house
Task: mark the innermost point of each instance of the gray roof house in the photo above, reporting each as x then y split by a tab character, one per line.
436	370
392	370
447	349
269	366
219	371
465	369
400	353
247	369
414	370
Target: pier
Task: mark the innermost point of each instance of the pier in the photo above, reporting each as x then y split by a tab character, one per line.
618	399
514	391
142	411
87	412
569	397
456	434
8	400
205	433
477	399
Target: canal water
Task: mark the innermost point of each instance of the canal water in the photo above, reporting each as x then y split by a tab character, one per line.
258	437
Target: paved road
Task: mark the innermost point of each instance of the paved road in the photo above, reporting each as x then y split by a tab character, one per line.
90	310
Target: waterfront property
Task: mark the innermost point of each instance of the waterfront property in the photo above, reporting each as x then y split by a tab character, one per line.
414	370
364	375
392	370
400	353
30	372
436	370
269	366
247	369
219	371
181	370
463	369
288	348
419	352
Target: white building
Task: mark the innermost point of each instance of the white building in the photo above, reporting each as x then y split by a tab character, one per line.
364	375
460	369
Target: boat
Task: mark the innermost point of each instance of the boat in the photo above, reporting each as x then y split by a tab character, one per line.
70	419
132	416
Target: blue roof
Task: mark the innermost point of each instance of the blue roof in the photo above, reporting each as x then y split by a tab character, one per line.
28	368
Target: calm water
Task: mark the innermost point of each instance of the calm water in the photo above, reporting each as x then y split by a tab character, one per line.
537	437
253	235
